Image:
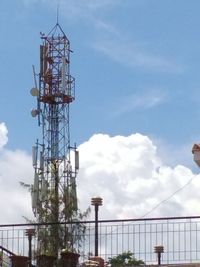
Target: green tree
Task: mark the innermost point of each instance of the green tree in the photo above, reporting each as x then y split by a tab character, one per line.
124	259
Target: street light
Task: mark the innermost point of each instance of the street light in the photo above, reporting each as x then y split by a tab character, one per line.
30	233
96	202
158	250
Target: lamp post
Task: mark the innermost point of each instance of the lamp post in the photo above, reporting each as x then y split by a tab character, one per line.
30	233
158	250
96	202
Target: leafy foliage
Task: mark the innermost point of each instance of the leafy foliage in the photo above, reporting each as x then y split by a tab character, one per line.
124	259
62	231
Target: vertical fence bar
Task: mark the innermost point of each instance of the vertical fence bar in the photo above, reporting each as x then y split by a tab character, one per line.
139	240
145	238
191	241
196	235
151	243
167	241
133	242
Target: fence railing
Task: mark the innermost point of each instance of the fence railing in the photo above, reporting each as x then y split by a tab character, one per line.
180	237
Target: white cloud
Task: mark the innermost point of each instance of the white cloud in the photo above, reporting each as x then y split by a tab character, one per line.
125	171
71	9
3	135
147	99
174	154
130	54
130	177
15	166
111	40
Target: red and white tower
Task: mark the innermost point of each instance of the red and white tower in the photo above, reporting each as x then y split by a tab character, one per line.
54	190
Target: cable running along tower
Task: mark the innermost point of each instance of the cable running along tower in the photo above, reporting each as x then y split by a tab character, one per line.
54	190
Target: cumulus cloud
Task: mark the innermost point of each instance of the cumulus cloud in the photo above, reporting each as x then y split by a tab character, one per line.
126	171
3	135
132	180
15	166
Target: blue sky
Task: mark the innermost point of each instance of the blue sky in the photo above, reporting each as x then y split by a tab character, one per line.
136	65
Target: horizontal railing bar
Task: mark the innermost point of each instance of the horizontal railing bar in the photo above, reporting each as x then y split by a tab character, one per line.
104	221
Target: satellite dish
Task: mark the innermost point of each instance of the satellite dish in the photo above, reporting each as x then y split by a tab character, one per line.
34	112
34	92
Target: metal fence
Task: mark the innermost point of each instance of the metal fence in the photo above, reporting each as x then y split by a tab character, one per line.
180	237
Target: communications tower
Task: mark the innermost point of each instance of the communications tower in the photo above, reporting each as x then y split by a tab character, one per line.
55	165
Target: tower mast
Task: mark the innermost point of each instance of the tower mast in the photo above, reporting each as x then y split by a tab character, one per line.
54	190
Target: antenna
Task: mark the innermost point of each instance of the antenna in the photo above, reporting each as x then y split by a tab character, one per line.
58	6
55	197
34	75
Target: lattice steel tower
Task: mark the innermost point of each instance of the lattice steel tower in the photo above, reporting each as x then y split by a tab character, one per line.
54	190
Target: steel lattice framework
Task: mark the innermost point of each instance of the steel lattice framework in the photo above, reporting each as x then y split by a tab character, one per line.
54	190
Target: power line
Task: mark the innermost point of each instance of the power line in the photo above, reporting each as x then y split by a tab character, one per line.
166	199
